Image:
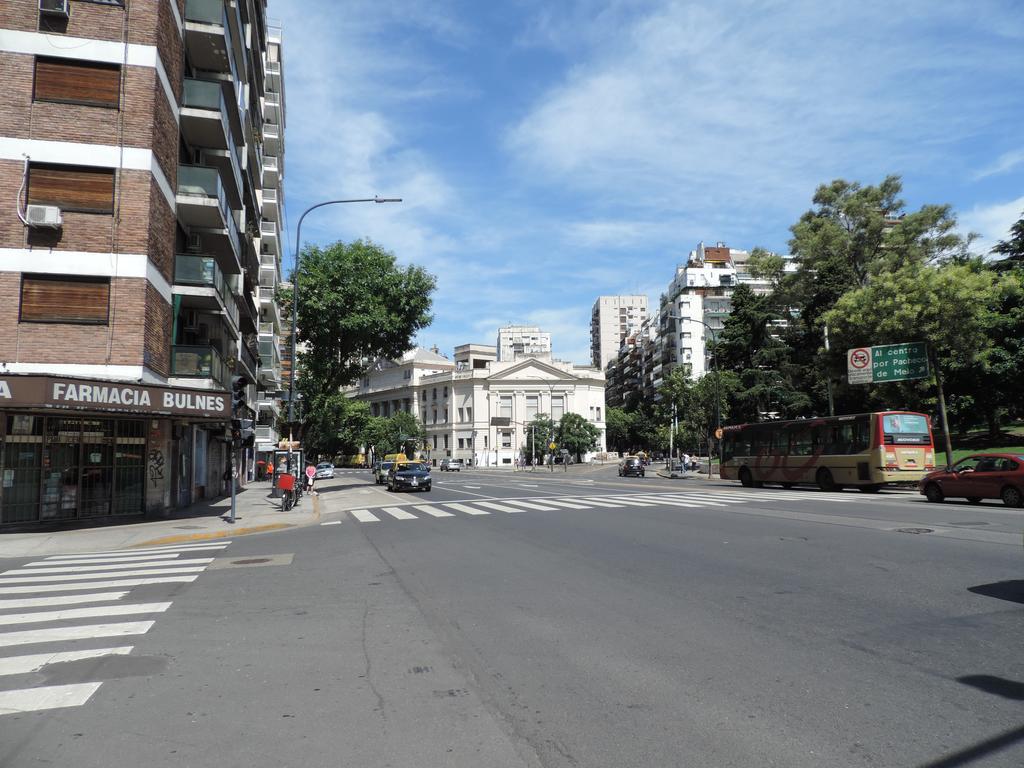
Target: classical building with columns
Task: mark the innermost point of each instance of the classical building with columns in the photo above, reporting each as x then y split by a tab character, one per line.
477	409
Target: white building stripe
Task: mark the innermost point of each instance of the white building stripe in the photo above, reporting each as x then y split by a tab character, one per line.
465	509
152	551
528	504
48	697
498	507
364	516
44	602
106	575
23	665
399	514
94	560
433	511
33	588
564	503
96	264
70	614
54	634
62	568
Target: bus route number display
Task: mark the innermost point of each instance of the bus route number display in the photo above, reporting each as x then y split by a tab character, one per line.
889	362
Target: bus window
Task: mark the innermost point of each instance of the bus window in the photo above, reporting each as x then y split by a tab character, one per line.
861	434
907	428
819	438
800	441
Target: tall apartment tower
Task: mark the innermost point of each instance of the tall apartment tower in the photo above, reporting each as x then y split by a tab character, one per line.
516	341
612	320
140	180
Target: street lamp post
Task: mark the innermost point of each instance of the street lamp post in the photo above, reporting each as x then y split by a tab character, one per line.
295	304
718	380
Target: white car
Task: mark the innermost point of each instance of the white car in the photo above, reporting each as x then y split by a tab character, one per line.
324	470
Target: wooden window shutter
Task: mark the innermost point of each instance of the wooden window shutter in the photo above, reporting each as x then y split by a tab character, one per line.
72	187
78	82
65	299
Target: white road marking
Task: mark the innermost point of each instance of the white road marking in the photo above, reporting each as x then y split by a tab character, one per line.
528	505
687	500
433	511
364	516
69	614
75	576
565	503
496	506
96	585
115	567
694	504
43	602
153	551
88	560
54	634
399	514
474	487
598	503
332	522
628	502
23	665
48	697
467	510
723	500
526	485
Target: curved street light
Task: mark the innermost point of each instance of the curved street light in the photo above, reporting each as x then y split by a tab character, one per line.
295	302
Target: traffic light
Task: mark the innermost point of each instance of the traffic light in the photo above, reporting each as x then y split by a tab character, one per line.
247	433
236	433
238	388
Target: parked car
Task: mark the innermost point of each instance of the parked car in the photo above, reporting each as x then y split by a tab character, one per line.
631	465
451	465
324	470
409	476
380	475
982	476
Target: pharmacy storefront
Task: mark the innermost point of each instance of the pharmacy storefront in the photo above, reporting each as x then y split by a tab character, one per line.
77	449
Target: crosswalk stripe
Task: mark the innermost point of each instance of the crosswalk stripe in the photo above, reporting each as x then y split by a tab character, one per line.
96	585
689	500
680	503
106	567
598	503
70	614
75	576
54	634
151	551
23	665
87	560
467	510
564	503
709	496
47	697
364	516
399	513
528	505
498	507
433	511
629	502
332	522
43	602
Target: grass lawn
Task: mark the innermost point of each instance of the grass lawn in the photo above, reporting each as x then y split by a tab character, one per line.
1010	440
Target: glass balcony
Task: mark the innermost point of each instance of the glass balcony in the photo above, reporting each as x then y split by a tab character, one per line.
271	171
198	362
204	272
269	206
205	11
202	202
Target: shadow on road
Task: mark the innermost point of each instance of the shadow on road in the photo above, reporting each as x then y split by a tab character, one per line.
997	686
978	751
1012	591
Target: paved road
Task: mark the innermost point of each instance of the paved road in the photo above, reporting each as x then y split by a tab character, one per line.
574	619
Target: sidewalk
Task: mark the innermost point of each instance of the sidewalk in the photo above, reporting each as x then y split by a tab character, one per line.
255	512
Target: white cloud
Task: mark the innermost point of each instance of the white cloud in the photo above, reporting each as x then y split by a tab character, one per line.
992	222
1003	164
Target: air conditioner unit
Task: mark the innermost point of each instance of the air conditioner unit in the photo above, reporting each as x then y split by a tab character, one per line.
55	7
44	216
195	242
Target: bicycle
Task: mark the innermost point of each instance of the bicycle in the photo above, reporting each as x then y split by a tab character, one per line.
286	483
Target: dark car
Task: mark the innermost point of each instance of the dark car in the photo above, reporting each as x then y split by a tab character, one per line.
409	476
982	476
631	465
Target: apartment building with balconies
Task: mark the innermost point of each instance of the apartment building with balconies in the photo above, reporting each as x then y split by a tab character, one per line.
133	165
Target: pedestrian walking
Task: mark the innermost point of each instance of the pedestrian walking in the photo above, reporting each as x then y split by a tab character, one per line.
686	461
310	477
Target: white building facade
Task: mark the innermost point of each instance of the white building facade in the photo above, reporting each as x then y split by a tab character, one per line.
518	341
477	408
612	320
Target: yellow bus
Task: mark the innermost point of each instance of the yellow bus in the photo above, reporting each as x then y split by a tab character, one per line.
866	451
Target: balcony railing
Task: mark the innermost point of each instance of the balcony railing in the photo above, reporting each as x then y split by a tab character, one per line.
203	271
200	181
199	362
205	11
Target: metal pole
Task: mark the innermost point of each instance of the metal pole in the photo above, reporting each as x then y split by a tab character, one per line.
234	483
828	380
295	304
942	408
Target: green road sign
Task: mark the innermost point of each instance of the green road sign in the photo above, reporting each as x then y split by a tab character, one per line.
889	362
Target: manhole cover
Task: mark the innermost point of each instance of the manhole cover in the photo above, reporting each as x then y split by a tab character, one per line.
914	530
251	561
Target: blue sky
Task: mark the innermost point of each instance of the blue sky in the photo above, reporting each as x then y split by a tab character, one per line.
549	153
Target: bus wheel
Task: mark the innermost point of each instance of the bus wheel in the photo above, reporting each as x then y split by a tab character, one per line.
934	494
1012	497
870	488
746	479
825	480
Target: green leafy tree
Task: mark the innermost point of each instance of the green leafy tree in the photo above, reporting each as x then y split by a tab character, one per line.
335	425
619	429
539	433
357	304
1013	248
577	435
401	433
766	265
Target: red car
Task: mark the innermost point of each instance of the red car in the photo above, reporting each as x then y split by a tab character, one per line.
982	476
